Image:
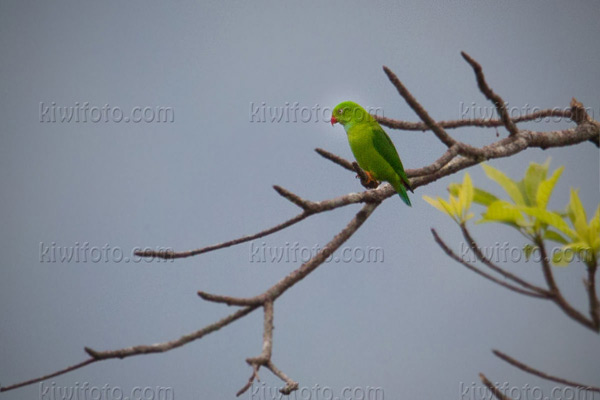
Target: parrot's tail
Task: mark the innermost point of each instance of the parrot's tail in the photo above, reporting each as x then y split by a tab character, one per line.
402	193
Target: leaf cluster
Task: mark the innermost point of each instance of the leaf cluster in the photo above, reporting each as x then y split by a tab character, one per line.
525	208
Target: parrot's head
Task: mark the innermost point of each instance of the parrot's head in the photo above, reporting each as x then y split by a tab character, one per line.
348	112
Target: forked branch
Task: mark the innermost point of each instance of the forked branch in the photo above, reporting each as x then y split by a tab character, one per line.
521	286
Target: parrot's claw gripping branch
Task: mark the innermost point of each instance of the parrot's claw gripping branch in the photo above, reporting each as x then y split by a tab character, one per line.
458	156
365	178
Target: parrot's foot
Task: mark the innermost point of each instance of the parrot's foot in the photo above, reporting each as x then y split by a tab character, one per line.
370	180
366	178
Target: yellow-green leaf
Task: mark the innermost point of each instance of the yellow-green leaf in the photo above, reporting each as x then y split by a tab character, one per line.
447	207
550	218
560	259
544	190
577	213
534	175
455	205
594	231
479	196
466	194
581	249
435	203
506	183
503	211
554	236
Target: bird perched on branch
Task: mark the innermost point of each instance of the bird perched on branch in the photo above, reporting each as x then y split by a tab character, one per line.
372	147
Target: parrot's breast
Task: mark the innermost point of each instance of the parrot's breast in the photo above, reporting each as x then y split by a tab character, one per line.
367	156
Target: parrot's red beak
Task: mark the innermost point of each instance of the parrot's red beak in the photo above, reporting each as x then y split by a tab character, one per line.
333	120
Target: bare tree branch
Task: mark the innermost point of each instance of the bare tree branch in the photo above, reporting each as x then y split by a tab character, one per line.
493	97
495	391
422	176
267	298
229	243
137	350
455	257
52	375
590	286
553	292
295	276
477	251
580	116
543	375
290	385
248	384
264	359
418	108
458	156
556	295
476	122
166	346
306	205
336	159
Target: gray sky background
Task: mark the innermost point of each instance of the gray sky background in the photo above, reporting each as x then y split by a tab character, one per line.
416	325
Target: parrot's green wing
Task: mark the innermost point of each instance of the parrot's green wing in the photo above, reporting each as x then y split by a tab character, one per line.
385	147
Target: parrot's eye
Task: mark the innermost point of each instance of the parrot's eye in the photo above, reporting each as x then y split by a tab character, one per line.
340	111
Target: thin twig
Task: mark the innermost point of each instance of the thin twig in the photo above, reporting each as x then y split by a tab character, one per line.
336	159
455	257
290	384
543	375
590	285
436	165
495	391
52	375
478	253
493	97
243	239
294	198
554	290
138	350
265	356
295	276
231	301
248	384
475	122
418	108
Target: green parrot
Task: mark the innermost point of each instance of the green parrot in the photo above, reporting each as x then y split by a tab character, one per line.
372	147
